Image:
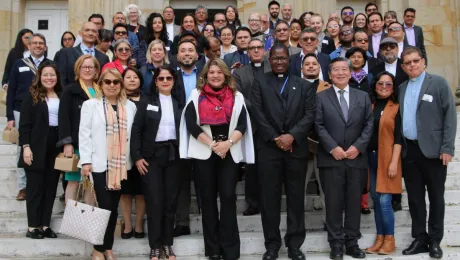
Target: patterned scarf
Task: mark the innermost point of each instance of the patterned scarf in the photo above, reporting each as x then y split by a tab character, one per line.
215	107
117	128
359	76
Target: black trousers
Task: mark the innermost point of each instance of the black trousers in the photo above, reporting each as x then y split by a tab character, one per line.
109	200
41	186
185	196
219	176
161	189
251	184
342	189
420	172
275	166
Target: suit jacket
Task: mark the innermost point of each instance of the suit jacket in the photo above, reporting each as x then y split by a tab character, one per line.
333	130
10	60
436	116
371	49
275	116
199	63
244	78
93	134
232	58
419	41
295	65
178	90
145	127
66	61
400	76
33	130
327	45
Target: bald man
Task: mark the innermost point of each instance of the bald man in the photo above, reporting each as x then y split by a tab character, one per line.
212	48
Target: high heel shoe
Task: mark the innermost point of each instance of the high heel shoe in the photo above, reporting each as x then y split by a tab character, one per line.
169	253
126	235
155	253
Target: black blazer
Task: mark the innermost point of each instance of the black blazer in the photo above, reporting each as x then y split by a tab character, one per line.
244	78
295	66
178	90
333	130
364	85
33	130
400	76
327	47
12	57
370	49
199	63
200	40
66	61
145	127
419	41
274	116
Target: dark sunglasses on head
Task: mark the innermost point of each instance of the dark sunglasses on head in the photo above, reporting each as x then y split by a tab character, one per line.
121	32
108	81
167	78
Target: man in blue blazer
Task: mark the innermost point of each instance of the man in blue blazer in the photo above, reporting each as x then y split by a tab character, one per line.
240	57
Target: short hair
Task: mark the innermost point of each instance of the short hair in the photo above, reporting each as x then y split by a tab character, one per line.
156	74
96	16
317	15
139	75
256	40
391	13
62	37
278	46
185	41
410	9
285	4
220	13
358	30
148	56
122	95
347	7
201	7
371	4
170	7
309	30
374	13
254	13
273	3
120	25
213	39
41	36
309	55
139	12
403	29
295	21
79	62
105	35
281	22
120	41
353	50
242	28
409	50
339	59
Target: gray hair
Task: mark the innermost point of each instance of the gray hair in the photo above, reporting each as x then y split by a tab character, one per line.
140	20
120	41
148	56
254	13
41	36
286	4
201	7
339	59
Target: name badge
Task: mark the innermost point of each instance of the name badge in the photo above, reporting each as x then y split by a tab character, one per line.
152	108
326	41
22	69
428	98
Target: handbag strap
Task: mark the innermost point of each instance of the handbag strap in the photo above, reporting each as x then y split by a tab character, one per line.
91	185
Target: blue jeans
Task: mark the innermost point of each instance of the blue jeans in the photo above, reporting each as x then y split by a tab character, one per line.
383	212
22	180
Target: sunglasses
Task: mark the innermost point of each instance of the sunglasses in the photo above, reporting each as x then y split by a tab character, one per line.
307	39
67	39
386	46
347	13
124	49
394	29
167	78
121	32
253	48
115	81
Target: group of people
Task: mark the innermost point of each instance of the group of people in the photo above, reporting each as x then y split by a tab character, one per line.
149	108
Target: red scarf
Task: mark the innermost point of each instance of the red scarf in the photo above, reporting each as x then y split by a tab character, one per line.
215	107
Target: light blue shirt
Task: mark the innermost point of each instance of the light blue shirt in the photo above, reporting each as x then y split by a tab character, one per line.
189	82
410	107
85	49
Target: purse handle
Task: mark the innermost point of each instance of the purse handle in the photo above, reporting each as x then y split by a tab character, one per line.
91	182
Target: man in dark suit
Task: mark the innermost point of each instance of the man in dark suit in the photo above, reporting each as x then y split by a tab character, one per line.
361	40
68	56
187	36
396	31
429	125
240	57
325	43
375	21
266	26
309	42
244	78
390	61
344	122
283	106
414	33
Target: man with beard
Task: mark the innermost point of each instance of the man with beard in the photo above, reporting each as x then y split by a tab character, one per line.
391	63
283	106
274	10
187	77
348	14
240	57
188	36
346	37
325	43
286	13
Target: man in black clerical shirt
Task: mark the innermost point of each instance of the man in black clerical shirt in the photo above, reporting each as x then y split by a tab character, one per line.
239	58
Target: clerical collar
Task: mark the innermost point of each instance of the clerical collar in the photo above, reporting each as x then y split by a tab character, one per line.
280	75
257	64
310	80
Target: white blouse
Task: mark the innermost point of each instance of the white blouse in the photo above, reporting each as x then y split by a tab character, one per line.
167	127
53	109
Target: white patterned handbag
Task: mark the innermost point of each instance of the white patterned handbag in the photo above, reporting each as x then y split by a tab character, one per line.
83	221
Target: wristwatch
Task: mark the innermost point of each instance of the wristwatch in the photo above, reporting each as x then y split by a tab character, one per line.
231	141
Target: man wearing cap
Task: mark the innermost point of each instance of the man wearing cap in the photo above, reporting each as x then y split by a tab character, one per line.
389	52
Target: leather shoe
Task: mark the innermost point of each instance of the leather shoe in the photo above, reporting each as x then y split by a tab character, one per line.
336	253
295	253
396	206
355	252
251	211
214	257
416	247
49	233
435	250
270	255
34	234
181	231
21	195
365	211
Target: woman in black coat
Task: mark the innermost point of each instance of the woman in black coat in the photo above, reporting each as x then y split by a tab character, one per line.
189	24
359	77
19	51
38	134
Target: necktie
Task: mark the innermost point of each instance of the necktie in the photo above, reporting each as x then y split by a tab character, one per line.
89	51
37	62
343	104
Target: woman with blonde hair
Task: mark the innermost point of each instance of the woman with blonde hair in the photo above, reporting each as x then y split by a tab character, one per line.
215	130
105	131
135	21
87	71
156	56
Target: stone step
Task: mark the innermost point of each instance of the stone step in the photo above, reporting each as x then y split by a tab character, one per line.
252	243
17	223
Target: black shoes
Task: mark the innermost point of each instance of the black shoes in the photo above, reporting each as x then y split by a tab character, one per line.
270	255
295	254
336	253
355	252
435	250
365	211
416	247
181	231
34	234
127	235
396	206
251	211
139	234
49	233
214	257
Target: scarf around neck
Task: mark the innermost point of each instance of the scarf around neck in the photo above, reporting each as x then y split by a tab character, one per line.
215	107
95	87
359	76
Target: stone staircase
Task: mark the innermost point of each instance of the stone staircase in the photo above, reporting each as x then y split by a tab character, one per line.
14	244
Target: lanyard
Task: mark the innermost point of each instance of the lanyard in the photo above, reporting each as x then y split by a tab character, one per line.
284	85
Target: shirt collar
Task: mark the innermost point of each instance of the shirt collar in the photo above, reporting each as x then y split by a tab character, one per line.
407	27
392	64
267	31
195	70
40	59
347	89
84	48
377	34
421	77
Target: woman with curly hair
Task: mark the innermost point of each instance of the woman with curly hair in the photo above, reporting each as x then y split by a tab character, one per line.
189	23
156	30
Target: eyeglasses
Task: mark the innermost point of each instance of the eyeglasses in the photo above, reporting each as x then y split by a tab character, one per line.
335	26
253	48
220	21
362	40
386	46
279	59
254	20
87	68
226	35
167	78
348	13
200	12
209	30
394	29
108	81
345	33
385	84
282	30
121	32
307	39
38	43
371	10
67	39
124	49
409	62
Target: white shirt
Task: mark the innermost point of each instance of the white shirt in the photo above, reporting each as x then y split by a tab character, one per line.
53	109
39	60
232	49
26	54
170	29
400	48
167	127
391	67
346	94
301	63
366	67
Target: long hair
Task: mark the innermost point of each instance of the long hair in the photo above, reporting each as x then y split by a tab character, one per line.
18	45
237	22
373	93
365	28
79	62
122	95
195	28
229	80
151	34
139	75
148	56
37	90
62	37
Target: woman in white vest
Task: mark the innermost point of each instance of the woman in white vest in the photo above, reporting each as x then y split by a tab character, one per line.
214	130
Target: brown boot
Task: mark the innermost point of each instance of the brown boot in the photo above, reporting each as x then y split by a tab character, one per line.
21	195
388	246
377	245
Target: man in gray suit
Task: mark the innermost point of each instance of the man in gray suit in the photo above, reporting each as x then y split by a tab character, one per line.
429	125
344	122
171	27
414	33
